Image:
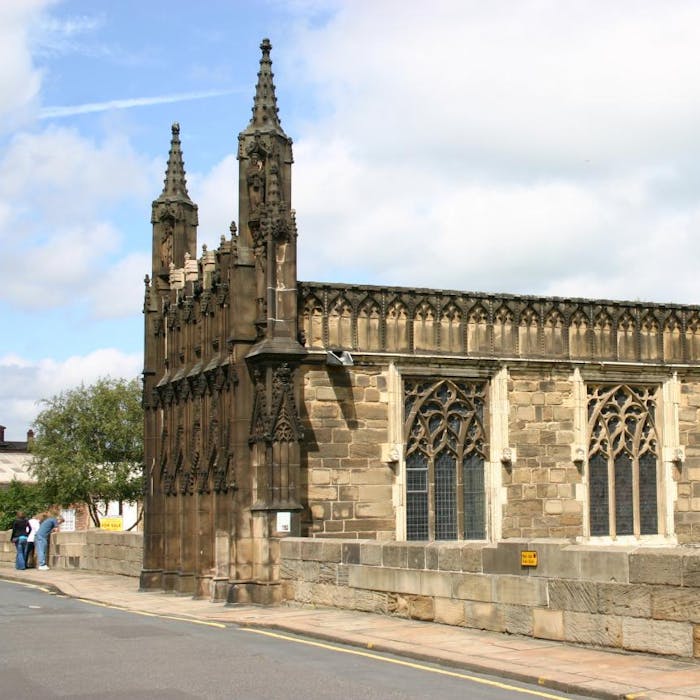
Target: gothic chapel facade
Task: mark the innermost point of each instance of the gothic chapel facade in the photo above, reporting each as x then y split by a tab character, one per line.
278	408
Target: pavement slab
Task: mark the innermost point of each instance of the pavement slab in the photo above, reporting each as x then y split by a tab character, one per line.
601	673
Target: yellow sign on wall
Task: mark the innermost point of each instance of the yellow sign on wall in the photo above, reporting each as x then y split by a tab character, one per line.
112	523
528	558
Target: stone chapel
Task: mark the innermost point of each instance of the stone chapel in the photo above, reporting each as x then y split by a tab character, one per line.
278	408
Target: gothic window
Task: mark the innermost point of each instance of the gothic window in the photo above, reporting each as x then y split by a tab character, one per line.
445	455
622	461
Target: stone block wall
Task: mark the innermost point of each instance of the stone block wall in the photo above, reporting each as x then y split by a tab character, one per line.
90	550
634	598
687	515
541	485
347	490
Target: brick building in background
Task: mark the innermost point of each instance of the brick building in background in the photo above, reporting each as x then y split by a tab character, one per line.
14	459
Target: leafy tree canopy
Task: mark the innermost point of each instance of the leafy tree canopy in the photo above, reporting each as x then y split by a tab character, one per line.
20	496
88	444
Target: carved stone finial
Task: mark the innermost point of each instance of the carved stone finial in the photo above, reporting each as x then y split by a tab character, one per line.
175	185
265	112
232	228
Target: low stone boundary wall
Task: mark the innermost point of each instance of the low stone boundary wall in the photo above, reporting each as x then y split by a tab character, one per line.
635	598
91	550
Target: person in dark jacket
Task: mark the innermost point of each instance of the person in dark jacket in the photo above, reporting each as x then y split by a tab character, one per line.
20	531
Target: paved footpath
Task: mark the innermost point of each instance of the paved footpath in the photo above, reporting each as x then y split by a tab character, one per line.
573	669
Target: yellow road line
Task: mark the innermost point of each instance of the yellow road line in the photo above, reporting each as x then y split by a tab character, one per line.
26	584
410	664
193	620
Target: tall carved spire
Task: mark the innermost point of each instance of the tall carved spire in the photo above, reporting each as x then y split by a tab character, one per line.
174	218
265	113
175	185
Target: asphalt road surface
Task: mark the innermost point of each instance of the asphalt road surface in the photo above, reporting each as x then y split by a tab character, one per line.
55	647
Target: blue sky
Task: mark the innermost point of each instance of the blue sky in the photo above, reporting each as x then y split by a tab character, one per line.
515	146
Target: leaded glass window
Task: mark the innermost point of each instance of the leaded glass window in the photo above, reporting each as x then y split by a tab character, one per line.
445	456
622	460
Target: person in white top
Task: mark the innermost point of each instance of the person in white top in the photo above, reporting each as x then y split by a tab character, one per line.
34	525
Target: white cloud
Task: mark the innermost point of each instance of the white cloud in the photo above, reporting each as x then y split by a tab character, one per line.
565	82
23	383
119	291
20	80
216	194
68	175
57	190
126	103
524	147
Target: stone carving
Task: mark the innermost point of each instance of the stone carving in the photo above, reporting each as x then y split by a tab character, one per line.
255	179
545	328
259	424
285	423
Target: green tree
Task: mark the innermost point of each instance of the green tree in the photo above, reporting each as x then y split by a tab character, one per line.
88	445
21	496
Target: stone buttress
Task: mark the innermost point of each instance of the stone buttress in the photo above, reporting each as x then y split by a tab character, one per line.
221	395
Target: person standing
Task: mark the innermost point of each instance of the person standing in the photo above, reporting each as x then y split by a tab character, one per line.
20	531
48	525
34	523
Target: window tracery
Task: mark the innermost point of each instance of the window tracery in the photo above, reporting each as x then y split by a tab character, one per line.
445	458
622	460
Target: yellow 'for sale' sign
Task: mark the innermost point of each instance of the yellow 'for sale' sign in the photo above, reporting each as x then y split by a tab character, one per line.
112	523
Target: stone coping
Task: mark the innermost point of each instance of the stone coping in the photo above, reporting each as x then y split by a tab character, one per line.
674	565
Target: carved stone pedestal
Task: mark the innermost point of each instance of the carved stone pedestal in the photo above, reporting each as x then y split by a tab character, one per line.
151	580
185	583
247	592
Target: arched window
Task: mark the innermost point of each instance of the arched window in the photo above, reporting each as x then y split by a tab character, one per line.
622	461
445	456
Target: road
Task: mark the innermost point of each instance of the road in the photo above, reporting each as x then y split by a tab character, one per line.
56	647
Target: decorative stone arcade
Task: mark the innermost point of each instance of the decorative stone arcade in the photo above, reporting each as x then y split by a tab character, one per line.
220	388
